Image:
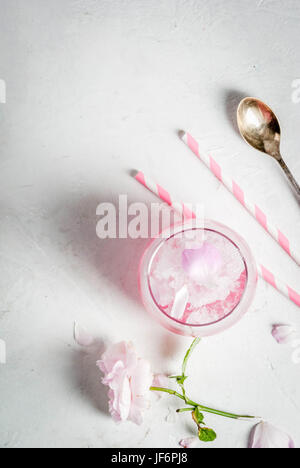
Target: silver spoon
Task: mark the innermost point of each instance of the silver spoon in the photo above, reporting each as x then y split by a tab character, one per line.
260	128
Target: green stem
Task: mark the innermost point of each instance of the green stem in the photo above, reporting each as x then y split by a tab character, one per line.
192	404
183	410
167	390
188	355
196	341
205	409
224	413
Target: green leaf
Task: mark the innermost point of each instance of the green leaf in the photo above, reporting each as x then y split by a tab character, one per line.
181	379
207	435
198	416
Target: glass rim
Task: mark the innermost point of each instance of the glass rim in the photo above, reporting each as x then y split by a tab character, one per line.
160	245
208	328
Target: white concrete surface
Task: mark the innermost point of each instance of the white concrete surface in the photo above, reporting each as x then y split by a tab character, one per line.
94	89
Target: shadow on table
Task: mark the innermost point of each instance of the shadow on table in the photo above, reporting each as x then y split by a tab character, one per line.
87	377
105	265
115	260
231	99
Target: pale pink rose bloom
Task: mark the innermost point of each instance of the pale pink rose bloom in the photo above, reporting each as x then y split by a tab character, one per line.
129	379
284	334
190	442
265	436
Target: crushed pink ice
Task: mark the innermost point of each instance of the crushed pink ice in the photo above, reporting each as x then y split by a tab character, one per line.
210	267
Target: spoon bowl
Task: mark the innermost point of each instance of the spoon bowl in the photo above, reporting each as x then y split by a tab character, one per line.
260	128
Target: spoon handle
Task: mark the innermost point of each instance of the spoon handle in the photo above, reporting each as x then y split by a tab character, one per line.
291	178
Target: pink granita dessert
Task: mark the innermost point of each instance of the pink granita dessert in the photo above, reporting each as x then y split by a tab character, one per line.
198	280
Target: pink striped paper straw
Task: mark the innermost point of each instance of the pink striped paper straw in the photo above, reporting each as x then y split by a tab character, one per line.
239	194
264	272
279	285
160	192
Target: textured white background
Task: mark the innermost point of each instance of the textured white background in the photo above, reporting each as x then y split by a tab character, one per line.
96	88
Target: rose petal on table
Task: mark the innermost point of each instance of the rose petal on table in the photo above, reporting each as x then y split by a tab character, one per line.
190	442
82	337
284	334
264	435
